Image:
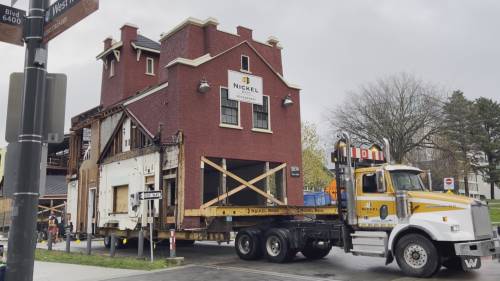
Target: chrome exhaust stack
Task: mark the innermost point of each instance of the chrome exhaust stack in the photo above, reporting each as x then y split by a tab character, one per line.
387	151
352	218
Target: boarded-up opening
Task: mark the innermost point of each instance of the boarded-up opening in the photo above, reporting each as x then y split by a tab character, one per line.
120	199
216	183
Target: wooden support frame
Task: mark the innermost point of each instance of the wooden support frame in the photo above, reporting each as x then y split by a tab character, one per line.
243	185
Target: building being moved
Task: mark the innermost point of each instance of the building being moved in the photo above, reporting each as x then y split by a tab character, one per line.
204	116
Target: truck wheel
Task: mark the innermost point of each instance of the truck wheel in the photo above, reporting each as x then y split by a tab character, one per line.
417	256
277	246
314	253
248	244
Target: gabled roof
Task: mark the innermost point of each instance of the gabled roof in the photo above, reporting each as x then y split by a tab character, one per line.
207	57
146	44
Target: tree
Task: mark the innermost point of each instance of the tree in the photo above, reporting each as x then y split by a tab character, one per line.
316	175
488	138
401	108
458	131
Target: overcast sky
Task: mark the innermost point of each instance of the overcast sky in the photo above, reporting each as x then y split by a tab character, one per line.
330	47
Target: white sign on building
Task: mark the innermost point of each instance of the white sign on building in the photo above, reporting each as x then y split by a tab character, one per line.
244	87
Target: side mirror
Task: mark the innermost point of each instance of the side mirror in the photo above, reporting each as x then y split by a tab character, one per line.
381	188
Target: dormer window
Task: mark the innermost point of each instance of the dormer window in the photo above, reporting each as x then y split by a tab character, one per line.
111	68
150	66
245	63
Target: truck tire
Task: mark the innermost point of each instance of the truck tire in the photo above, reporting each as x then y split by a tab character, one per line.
314	253
417	256
248	244
277	246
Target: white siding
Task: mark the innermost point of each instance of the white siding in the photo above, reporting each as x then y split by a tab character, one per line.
131	172
72	203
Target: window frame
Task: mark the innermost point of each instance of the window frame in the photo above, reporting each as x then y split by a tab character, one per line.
226	125
248	63
262	130
150	59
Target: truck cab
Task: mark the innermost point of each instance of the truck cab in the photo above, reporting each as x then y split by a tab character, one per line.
390	213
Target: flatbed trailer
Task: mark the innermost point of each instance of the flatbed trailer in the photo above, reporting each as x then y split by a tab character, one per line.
227	219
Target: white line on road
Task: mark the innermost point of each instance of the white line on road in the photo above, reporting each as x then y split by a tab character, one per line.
277	274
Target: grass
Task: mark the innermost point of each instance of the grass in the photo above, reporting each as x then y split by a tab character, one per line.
99	260
494	210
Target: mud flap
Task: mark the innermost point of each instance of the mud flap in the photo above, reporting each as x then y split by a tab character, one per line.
470	263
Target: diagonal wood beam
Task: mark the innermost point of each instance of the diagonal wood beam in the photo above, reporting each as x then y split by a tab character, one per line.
241	187
242	181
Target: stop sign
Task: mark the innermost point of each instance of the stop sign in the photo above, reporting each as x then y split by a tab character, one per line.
449	183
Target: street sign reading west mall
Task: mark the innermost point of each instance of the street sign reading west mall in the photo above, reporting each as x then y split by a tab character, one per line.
11	25
65	13
150	195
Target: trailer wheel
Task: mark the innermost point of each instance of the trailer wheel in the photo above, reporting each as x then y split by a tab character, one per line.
417	256
277	246
248	244
315	253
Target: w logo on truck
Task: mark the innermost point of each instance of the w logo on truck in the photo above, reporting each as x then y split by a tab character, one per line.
471	262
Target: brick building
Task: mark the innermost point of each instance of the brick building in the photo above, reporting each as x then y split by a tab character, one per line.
174	116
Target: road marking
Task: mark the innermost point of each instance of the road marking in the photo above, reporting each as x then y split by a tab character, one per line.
276	274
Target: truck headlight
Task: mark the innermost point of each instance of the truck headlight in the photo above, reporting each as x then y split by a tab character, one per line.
455	228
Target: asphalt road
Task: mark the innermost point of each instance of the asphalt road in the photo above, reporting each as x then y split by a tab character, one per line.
209	261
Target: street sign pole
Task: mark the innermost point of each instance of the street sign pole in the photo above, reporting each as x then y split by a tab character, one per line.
151	242
22	238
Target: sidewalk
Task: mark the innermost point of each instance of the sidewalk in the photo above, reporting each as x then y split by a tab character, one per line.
48	271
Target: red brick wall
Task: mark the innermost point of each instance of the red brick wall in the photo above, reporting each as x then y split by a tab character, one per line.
194	41
130	74
199	117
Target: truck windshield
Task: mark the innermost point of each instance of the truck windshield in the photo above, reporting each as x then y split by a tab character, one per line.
407	180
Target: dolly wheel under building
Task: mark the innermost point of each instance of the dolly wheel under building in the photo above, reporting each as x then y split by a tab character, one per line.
107	242
277	245
417	256
315	251
248	244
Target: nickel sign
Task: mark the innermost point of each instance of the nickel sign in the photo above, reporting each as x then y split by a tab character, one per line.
245	87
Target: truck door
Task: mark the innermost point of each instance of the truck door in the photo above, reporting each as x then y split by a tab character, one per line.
375	200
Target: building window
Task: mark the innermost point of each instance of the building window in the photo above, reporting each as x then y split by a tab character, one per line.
150	64
261	114
112	68
229	109
120	199
245	63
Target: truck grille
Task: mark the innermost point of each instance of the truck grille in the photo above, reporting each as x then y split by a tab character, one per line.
481	221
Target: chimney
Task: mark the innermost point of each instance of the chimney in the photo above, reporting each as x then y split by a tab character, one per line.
129	33
108	42
245	33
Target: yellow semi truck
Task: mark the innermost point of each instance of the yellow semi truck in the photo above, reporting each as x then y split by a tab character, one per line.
387	212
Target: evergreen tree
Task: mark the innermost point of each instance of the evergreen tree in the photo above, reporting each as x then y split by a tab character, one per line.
488	139
458	131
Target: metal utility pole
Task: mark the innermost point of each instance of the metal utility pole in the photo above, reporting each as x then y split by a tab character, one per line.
22	238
